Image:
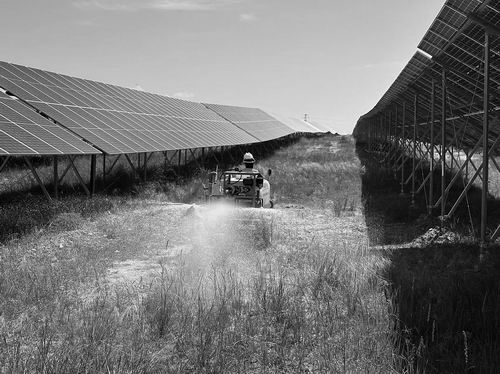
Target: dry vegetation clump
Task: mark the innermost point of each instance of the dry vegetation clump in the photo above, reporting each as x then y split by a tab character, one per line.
318	174
218	289
24	215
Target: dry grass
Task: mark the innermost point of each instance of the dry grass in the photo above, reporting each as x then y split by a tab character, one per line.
152	287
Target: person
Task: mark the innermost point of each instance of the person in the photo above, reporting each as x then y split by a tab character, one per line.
249	161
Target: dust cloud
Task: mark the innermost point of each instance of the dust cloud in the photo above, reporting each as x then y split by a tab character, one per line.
227	238
200	241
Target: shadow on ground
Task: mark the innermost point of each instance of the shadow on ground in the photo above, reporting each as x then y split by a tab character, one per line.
446	302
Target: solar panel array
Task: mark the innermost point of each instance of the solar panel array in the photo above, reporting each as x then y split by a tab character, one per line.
25	132
70	115
296	124
456	43
119	120
253	121
447	24
318	125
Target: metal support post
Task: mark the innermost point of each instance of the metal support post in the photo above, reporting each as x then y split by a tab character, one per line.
104	169
415	108
466	176
56	177
395	165
443	140
403	160
484	195
431	151
93	162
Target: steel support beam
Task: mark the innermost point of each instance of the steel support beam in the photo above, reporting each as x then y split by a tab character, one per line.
195	159
4	163
486	122
471	182
462	167
443	141
403	160
55	176
78	176
432	149
35	174
112	165
131	165
104	169
489	28
93	164
68	168
413	182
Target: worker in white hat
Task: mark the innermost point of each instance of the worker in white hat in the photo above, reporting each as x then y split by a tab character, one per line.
249	161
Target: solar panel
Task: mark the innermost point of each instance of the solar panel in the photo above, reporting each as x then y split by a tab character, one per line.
319	126
254	121
447	25
24	132
296	124
120	120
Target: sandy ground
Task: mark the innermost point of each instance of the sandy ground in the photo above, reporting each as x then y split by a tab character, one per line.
160	237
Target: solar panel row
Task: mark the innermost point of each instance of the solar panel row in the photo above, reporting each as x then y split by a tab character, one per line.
319	126
297	125
118	120
456	42
24	132
253	121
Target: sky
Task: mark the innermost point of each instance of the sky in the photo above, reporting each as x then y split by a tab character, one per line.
330	59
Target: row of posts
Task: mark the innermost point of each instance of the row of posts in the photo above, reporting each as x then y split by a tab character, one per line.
385	135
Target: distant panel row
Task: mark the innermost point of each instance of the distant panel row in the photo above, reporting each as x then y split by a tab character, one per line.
253	120
298	125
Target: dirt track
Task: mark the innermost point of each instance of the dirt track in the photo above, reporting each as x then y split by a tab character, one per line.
147	240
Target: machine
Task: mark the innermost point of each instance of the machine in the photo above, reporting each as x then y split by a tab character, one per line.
245	187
